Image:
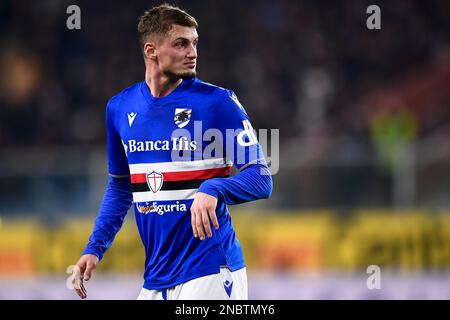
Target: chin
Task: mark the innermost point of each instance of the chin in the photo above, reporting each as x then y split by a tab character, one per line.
187	74
181	74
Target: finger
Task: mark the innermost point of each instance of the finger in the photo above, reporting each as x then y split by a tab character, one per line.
206	223
82	293
87	274
80	289
212	215
77	282
193	223
83	290
79	293
76	274
199	225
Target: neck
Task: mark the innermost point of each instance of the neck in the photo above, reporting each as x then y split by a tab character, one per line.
161	85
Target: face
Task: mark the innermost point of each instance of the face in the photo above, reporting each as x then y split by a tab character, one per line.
176	53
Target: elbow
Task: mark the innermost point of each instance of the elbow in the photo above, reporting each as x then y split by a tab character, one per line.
266	182
268	186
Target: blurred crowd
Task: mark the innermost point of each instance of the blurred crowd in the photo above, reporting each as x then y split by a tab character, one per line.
305	67
347	100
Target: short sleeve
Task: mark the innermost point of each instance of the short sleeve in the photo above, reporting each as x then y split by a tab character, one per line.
241	143
117	159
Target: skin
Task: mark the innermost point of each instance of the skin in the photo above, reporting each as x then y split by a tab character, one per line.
168	59
83	272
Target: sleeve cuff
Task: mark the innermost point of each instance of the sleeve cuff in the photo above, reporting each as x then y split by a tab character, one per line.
90	250
209	188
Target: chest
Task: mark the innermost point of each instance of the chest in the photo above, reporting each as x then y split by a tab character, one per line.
153	134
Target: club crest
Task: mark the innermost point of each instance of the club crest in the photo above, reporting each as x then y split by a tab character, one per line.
155	181
182	117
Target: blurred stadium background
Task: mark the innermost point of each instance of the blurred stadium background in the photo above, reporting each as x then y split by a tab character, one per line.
364	119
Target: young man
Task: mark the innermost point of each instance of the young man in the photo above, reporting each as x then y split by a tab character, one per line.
179	183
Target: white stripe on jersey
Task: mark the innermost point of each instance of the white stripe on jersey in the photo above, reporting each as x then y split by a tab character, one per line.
169	195
178	166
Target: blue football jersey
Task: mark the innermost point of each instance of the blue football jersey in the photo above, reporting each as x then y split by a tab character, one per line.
169	146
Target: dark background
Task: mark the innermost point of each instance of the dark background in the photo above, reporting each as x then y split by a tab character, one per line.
364	154
344	98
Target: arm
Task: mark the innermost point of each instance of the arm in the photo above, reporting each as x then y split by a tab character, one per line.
253	183
116	203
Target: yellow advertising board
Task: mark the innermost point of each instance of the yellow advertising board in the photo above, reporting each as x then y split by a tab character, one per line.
298	240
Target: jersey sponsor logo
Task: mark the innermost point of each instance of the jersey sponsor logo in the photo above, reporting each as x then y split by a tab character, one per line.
176	143
182	116
161	209
131	117
155	181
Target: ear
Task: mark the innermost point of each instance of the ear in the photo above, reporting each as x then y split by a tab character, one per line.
150	50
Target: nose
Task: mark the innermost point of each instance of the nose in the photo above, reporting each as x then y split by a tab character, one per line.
192	53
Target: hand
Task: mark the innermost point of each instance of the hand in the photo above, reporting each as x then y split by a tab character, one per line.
83	271
203	208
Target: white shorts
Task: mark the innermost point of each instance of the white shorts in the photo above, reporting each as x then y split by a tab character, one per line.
225	285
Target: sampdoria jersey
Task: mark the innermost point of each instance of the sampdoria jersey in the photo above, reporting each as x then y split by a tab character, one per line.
169	146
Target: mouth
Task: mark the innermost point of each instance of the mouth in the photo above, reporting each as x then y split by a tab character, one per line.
190	64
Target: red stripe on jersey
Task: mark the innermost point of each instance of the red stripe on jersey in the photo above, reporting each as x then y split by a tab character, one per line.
185	175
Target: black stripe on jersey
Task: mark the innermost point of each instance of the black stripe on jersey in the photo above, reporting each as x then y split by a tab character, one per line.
169	185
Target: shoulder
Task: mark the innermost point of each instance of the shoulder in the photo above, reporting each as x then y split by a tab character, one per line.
224	99
208	88
221	99
117	100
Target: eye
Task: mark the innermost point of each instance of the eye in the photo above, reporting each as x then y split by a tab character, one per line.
182	43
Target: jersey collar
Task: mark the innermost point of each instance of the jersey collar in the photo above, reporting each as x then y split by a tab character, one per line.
175	93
